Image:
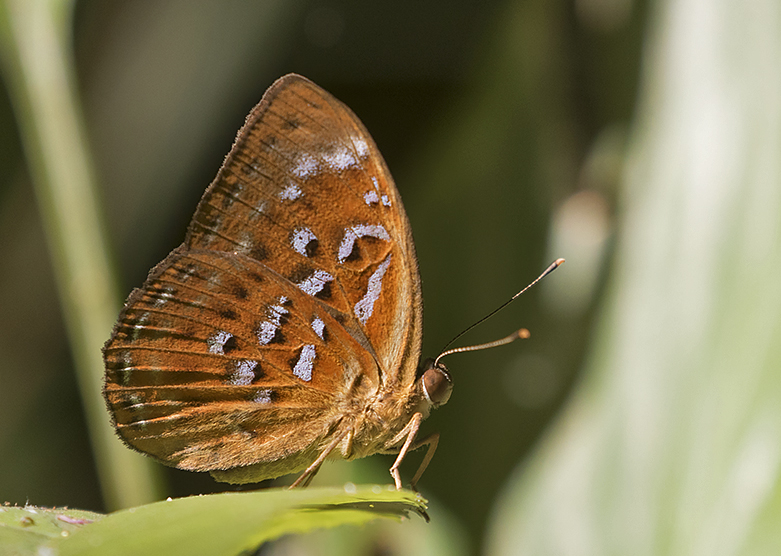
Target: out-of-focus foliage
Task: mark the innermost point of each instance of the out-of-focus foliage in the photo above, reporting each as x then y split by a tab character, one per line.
672	442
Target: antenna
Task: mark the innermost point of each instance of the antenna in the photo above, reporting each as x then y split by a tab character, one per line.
521	333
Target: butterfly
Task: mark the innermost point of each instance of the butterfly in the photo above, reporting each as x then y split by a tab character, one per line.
287	328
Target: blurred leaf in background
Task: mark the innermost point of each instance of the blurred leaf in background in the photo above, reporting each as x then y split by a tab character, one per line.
672	442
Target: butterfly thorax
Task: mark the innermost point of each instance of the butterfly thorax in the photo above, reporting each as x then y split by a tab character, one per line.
376	428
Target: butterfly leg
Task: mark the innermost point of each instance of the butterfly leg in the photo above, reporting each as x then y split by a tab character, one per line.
306	477
409	431
309	478
431	441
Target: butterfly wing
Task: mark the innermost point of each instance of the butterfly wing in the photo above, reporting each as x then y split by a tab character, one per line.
294	298
306	192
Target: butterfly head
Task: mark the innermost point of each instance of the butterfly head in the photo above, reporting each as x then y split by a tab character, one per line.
436	382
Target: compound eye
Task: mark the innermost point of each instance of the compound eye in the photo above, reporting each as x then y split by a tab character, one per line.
437	384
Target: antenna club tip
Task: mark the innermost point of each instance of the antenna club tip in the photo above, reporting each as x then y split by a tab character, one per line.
523	333
558	262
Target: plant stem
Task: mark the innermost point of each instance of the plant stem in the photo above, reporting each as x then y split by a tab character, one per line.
39	69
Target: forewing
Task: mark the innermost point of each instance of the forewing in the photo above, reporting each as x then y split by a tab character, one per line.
305	192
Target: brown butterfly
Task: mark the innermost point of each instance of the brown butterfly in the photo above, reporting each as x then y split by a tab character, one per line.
286	329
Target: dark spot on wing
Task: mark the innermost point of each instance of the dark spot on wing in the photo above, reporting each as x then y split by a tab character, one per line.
311	248
291	123
258	251
228	314
230	345
301	273
254	276
239	291
325	291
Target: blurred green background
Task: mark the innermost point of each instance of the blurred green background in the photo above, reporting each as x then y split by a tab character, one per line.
640	141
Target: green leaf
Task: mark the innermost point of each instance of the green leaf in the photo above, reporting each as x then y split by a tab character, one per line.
24	530
231	523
